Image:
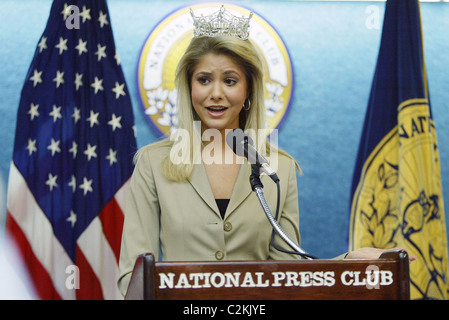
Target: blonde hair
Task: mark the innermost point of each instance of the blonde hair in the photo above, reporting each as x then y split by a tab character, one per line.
244	54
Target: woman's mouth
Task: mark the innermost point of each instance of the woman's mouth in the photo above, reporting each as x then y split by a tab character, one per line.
216	111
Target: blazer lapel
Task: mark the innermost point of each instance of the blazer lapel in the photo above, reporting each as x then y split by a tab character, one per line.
200	183
242	188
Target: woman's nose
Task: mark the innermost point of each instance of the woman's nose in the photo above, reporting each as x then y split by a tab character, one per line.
217	91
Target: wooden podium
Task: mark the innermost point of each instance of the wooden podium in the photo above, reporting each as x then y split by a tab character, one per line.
386	278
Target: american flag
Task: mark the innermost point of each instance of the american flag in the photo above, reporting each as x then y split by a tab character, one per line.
75	139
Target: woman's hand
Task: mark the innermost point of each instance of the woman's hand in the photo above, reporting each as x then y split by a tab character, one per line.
372	253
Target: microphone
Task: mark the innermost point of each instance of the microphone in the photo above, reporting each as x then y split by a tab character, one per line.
243	146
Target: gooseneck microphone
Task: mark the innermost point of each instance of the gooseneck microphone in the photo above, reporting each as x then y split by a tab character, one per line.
243	146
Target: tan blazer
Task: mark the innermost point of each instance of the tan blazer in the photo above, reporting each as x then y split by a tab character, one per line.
181	220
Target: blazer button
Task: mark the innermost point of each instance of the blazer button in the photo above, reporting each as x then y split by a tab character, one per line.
227	226
219	255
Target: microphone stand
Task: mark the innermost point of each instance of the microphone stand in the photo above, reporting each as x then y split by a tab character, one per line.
257	187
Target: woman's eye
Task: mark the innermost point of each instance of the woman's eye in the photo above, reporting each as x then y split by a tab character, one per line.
230	81
203	80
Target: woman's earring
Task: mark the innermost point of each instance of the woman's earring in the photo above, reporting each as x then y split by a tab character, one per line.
247	106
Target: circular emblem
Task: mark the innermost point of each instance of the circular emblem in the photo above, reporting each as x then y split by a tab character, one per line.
168	41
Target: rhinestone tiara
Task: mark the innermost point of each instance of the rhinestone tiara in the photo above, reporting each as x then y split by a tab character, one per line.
221	23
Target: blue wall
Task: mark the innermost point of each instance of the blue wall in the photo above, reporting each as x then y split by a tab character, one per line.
334	56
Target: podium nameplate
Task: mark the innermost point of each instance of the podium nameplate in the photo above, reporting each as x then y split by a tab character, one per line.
385	278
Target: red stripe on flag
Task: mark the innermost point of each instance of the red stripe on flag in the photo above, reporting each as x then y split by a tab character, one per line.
89	285
111	218
38	275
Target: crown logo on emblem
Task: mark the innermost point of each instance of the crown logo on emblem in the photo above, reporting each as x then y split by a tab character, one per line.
221	23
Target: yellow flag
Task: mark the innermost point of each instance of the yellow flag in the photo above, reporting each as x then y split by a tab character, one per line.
397	193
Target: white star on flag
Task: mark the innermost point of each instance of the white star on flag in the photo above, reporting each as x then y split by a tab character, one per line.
72	218
74	149
101	52
33	111
42	44
31	147
103	19
76	114
115	122
93	118
86	185
36	77
72	183
81	47
85	14
90	152
56	113
54	147
51	181
78	82
59	79
112	156
62	45
119	90
97	85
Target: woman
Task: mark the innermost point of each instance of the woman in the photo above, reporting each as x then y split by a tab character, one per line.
199	209
196	203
